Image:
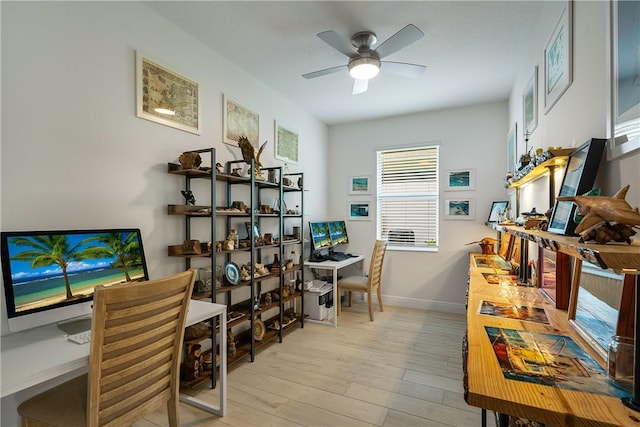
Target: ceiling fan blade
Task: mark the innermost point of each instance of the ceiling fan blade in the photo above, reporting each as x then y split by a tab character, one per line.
338	42
399	40
324	72
403	69
360	86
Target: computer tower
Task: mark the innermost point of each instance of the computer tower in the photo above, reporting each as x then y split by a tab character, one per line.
318	305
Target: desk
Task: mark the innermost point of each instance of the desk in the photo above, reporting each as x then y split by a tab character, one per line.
486	386
333	266
42	354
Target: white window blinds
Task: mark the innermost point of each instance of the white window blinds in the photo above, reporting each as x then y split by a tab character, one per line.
407	197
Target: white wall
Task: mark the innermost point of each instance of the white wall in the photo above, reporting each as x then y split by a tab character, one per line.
74	154
581	112
470	137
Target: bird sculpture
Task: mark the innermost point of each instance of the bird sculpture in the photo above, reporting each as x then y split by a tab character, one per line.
486	244
599	211
249	154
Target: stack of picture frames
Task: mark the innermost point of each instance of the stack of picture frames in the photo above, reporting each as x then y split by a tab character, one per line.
459	206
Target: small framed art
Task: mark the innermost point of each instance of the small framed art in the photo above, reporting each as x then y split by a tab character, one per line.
459	179
238	121
359	185
462	208
558	63
286	143
496	209
530	104
359	211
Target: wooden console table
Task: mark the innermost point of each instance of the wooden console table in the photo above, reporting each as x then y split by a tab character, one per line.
487	388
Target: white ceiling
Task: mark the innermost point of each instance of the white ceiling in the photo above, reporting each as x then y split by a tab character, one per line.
472	49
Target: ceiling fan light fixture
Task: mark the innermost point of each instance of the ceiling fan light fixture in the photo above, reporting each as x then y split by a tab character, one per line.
364	68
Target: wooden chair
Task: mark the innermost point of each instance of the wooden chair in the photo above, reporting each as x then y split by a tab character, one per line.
134	361
368	283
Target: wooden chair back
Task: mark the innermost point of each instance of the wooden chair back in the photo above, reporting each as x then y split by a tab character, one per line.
375	268
136	348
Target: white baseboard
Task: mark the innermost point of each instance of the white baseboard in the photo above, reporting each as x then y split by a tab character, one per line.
423	304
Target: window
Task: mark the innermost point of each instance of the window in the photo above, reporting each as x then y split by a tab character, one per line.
407	198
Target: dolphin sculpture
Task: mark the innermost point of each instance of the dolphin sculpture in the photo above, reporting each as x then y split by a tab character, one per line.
597	209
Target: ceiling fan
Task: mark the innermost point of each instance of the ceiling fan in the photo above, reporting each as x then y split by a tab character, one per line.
365	58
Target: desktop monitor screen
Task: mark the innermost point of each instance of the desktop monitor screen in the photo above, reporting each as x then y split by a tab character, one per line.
320	237
338	232
50	274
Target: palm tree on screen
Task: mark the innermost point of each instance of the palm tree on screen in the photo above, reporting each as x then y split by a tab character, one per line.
125	248
50	250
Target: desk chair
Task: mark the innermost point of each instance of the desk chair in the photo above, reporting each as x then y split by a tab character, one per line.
134	360
366	284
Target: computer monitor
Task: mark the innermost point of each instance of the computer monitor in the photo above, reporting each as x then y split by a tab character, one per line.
49	276
338	232
320	237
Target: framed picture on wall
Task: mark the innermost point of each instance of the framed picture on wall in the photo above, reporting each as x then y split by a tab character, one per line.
623	118
496	209
462	208
359	211
459	179
286	143
530	104
238	121
166	97
558	59
579	176
512	148
359	184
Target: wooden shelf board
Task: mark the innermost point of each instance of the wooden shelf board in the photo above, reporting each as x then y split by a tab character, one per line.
540	170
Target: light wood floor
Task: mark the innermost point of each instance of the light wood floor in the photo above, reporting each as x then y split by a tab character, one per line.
402	369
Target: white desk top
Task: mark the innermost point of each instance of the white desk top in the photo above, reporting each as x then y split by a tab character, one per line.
330	265
36	355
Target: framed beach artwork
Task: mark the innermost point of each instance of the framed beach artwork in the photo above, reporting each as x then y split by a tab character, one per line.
623	118
238	121
462	208
166	97
530	104
558	59
512	148
359	211
359	184
286	145
459	179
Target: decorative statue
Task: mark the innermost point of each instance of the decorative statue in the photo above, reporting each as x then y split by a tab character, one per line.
190	159
188	197
248	154
486	245
600	211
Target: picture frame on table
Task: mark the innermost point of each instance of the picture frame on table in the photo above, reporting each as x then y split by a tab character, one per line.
237	121
530	104
286	146
459	179
497	208
461	208
623	112
165	96
360	184
558	59
359	210
579	177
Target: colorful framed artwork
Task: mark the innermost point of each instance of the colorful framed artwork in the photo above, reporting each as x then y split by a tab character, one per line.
496	209
579	177
554	272
359	211
359	184
166	97
558	59
623	118
530	104
459	179
462	208
286	146
238	121
513	310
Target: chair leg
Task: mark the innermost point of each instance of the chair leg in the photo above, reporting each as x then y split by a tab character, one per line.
338	305
370	301
173	412
380	307
350	294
